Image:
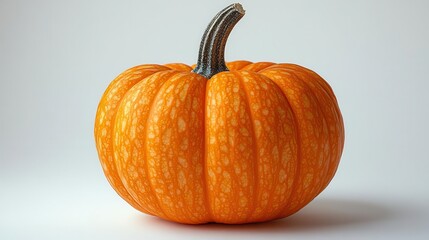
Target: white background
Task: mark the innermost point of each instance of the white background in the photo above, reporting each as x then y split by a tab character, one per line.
57	58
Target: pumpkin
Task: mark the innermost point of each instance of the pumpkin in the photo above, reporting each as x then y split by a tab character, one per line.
235	142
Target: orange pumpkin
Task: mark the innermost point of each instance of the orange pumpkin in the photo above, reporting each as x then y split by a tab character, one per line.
231	143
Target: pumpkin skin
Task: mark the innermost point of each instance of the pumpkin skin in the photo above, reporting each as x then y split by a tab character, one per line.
252	144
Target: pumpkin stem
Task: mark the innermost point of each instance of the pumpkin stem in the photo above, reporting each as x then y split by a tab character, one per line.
211	58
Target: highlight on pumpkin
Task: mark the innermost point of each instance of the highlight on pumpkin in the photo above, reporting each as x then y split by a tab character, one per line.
235	142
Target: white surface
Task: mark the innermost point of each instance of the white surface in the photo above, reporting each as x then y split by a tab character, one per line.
57	57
